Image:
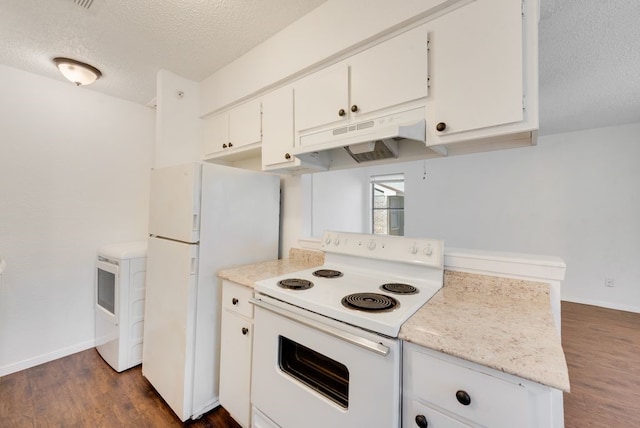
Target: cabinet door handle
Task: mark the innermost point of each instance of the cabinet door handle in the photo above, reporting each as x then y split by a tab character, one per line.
224	146
421	421
230	145
234	301
463	398
441	126
341	112
287	156
245	330
354	108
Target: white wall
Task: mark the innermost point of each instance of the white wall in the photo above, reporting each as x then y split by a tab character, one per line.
74	172
178	126
575	196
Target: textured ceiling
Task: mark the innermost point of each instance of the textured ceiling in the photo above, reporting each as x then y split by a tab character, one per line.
589	49
589	64
129	41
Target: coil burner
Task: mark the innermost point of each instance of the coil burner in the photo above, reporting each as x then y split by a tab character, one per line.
399	288
370	302
295	284
327	273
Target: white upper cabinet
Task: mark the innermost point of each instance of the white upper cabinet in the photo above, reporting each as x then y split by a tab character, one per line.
245	124
322	98
216	134
391	73
476	70
232	130
470	69
277	128
386	75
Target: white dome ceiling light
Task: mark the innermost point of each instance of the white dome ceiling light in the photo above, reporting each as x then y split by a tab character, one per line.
76	71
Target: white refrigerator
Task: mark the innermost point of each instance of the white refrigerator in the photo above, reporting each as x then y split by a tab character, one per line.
203	217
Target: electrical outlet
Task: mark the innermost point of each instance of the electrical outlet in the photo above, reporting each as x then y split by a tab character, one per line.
608	282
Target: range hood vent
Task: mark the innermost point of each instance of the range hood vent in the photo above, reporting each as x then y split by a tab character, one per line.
369	140
373	150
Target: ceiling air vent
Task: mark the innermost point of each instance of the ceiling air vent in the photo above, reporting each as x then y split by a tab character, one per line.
84	3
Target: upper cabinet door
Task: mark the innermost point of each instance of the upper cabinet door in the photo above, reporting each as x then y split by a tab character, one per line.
278	135
322	98
477	67
391	73
216	134
245	124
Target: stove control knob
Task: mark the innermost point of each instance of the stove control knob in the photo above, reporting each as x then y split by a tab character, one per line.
372	245
336	241
414	249
328	240
428	251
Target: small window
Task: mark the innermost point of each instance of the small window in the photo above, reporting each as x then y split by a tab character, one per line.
387	202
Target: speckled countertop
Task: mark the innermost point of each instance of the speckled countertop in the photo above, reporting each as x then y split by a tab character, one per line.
501	323
247	275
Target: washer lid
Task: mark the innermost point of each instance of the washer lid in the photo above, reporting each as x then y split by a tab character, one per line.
124	251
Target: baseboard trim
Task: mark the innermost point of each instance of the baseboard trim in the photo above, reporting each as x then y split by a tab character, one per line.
608	305
45	358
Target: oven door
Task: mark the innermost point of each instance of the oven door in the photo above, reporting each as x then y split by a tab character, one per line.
107	289
311	371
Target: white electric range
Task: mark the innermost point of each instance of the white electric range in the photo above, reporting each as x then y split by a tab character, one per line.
326	338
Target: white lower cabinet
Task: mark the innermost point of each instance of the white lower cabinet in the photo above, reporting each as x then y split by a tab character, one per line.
443	391
260	420
425	416
235	354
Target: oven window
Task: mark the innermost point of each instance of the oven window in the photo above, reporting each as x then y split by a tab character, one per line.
107	291
326	376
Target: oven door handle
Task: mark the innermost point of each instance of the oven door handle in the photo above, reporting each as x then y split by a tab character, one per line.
367	344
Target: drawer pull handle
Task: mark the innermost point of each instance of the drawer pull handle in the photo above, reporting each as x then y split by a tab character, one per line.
441	126
341	112
245	330
234	301
463	398
421	421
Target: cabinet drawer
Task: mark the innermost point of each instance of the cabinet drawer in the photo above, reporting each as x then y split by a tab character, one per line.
235	298
491	401
431	418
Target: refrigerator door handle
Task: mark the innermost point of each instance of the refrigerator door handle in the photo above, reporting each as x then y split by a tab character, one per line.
194	265
196	223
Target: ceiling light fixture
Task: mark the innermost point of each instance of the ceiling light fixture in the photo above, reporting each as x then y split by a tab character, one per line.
76	71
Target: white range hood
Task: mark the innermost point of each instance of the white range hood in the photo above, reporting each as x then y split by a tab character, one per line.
367	140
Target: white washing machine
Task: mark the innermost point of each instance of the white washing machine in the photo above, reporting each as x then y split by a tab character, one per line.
119	291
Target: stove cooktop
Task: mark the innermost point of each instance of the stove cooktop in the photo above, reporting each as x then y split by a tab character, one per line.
398	273
326	295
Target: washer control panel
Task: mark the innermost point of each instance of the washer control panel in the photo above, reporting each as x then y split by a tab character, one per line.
384	247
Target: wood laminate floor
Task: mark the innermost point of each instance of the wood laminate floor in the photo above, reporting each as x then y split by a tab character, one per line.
81	390
602	347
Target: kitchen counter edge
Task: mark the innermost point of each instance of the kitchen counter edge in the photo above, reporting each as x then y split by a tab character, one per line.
247	275
501	323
